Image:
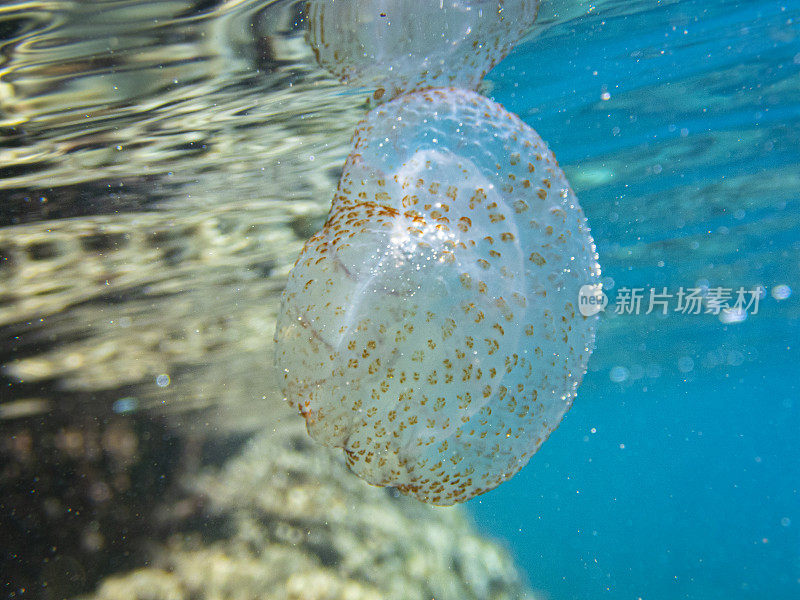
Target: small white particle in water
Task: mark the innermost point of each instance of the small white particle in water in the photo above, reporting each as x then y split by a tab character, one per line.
618	374
781	292
732	315
162	380
124	405
605	96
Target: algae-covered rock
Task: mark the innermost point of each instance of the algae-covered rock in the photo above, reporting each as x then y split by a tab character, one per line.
286	520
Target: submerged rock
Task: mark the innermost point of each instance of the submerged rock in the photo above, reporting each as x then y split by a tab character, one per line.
285	519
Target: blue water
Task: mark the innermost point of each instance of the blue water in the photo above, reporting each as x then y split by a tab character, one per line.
680	478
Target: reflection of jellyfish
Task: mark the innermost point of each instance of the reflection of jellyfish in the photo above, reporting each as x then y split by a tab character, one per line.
396	46
430	329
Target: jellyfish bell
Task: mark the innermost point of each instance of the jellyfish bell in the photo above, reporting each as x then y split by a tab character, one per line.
431	328
397	46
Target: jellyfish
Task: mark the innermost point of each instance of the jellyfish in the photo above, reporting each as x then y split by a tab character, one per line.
430	329
396	46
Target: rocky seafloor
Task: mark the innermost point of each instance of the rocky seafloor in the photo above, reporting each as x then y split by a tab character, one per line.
285	520
127	507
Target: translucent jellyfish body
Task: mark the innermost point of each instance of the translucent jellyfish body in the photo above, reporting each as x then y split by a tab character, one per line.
431	329
396	46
